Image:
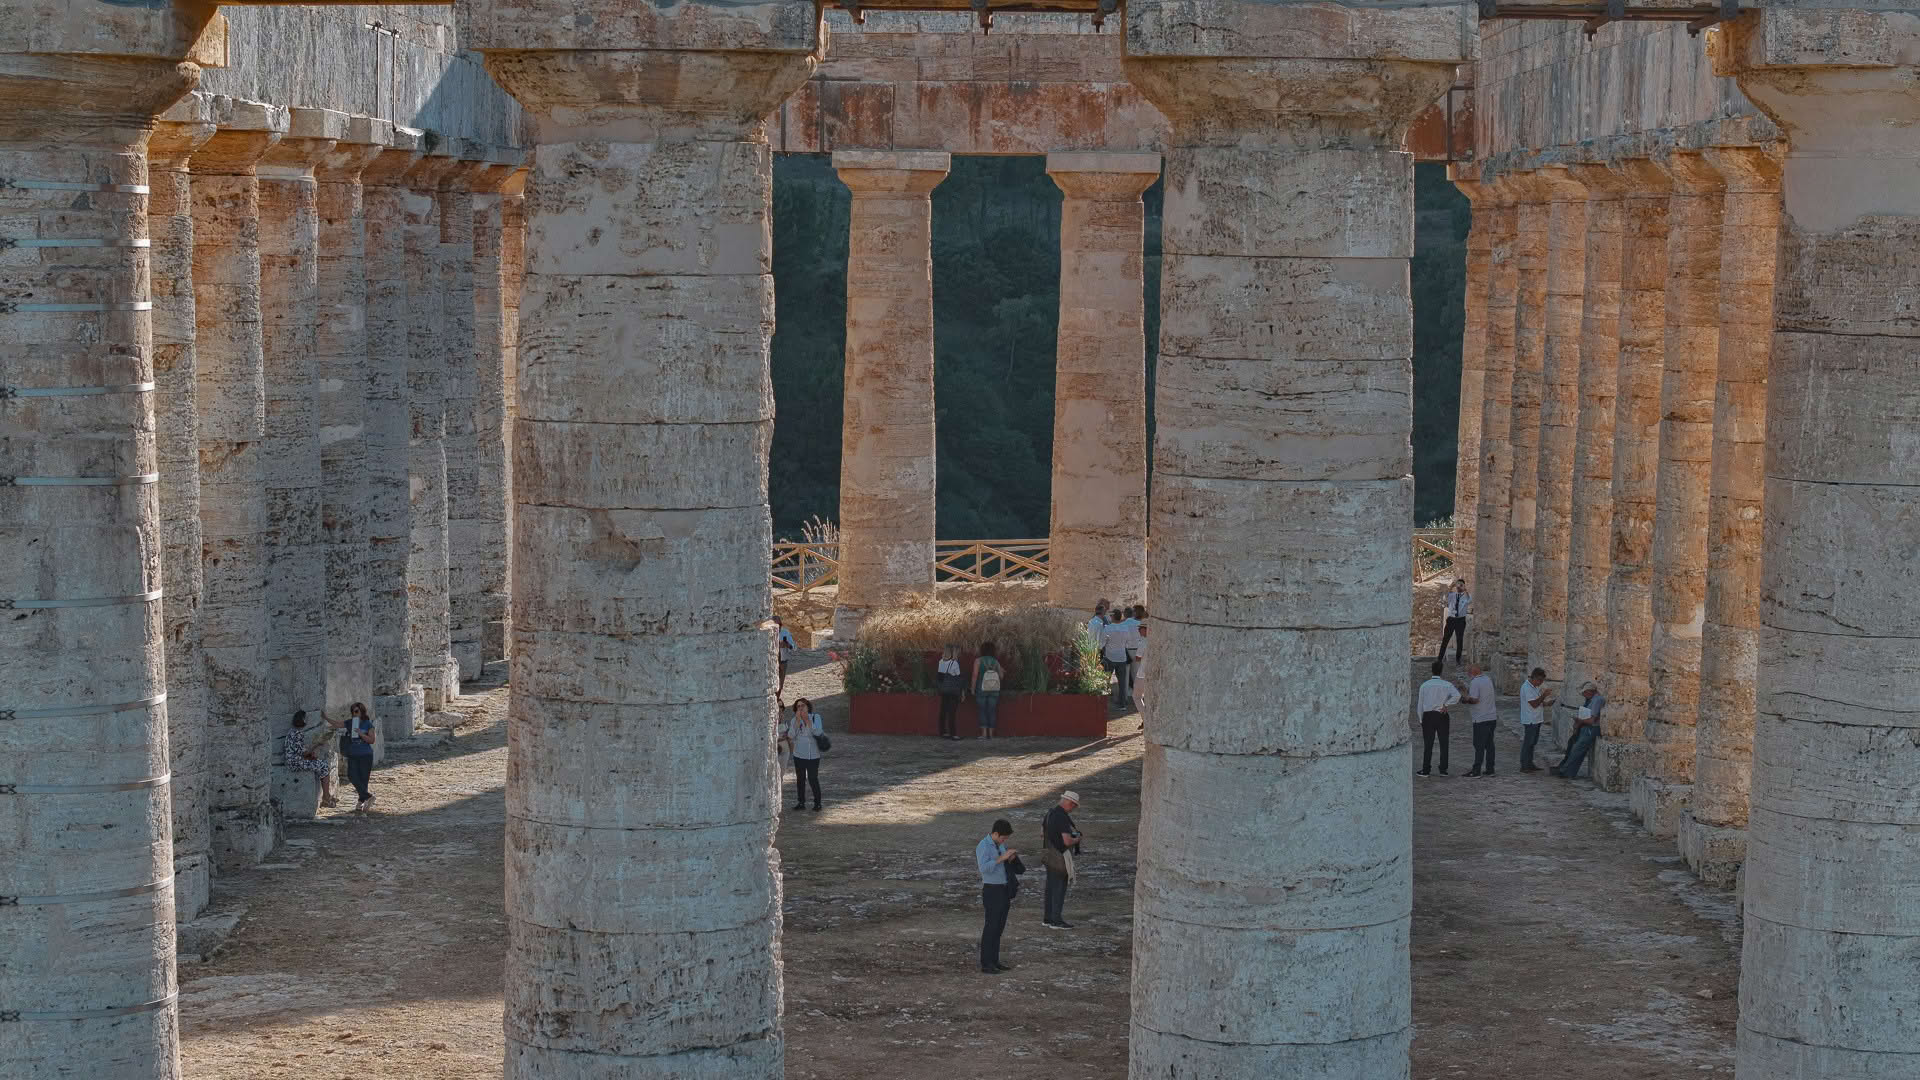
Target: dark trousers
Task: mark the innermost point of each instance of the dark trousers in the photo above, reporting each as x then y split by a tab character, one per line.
1577	750
806	771
949	705
359	771
1527	742
996	900
1456	632
1056	896
1483	745
1435	725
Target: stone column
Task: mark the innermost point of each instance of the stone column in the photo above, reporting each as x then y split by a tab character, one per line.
1098	532
397	703
341	363
1713	831
641	795
437	329
1496	426
1621	754
87	934
1588	555
886	431
1473	366
1559	419
1533	224
182	130
479	546
296	653
455	202
1679	552
513	274
1827	972
231	378
1281	509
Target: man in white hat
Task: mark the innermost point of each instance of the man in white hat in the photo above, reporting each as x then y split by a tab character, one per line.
1061	840
1586	730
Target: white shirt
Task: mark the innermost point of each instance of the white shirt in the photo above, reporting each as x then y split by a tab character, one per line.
802	735
1530	714
1115	641
948	666
1459	605
1436	694
1484	708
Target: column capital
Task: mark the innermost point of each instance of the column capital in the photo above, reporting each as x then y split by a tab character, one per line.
246	131
438	161
390	167
1690	172
642	95
311	134
1603	182
366	139
1748	168
182	129
891	172
1093	175
1561	184
500	165
1644	178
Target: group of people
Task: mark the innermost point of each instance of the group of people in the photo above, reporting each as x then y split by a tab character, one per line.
309	747
1121	634
984	683
1000	869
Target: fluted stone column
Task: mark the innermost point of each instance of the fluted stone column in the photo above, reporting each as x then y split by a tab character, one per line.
1496	427
86	938
1281	510
1827	972
1099	520
341	362
1679	552
1713	831
231	376
642	889
1473	366
1559	419
455	200
181	130
438	328
479	539
1533	225
1588	547
397	702
1622	751
886	429
296	654
513	274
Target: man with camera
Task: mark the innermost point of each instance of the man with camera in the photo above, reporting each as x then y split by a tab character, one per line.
1061	841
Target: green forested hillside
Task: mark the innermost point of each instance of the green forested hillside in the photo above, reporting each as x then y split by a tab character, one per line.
996	263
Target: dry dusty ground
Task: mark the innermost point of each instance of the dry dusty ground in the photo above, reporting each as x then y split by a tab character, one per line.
1551	937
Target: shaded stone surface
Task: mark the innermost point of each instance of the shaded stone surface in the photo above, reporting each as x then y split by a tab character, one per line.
1533	226
1496	426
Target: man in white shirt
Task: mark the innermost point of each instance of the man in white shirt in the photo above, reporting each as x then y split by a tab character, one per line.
1115	640
1534	699
1484	711
1459	606
1436	694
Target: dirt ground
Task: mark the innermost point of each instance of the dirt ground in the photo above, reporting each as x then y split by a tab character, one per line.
1551	936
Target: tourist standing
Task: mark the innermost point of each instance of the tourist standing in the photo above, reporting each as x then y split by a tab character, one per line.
1534	699
1136	668
951	684
1586	730
787	646
1436	695
356	745
1060	840
307	750
803	735
1485	713
987	676
1459	606
992	854
1115	642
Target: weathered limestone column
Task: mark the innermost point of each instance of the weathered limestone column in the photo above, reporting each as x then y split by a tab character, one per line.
296	653
1827	984
513	274
1099	525
1496	426
182	130
1588	554
1679	552
397	703
1559	419
886	429
438	329
455	204
641	792
1281	544
231	376
479	540
87	936
1713	831
341	362
1621	754
1473	366
1533	224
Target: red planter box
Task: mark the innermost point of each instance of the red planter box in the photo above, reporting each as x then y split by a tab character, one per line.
1081	716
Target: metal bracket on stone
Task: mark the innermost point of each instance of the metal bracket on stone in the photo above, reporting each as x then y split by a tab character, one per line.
13	604
8	393
1729	11
131	480
16	1016
985	13
854	11
7	243
1100	13
85	789
14	183
1616	11
9	307
81	710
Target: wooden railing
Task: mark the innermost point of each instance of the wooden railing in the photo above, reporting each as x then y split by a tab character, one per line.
1432	554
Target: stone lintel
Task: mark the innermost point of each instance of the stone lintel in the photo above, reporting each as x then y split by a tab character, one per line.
311	135
246	131
180	131
1094	161
523	26
366	139
1238	29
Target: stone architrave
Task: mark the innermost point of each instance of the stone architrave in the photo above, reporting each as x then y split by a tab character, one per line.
1559	420
886	430
455	205
1473	365
1827	977
642	783
296	650
1621	754
1496	417
1281	550
341	362
231	377
181	130
479	539
1588	547
1533	225
1713	831
87	867
1098	532
1679	551
398	704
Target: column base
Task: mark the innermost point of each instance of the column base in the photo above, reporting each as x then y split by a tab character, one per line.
398	717
1617	762
846	623
192	887
1715	852
467	659
493	641
242	838
1659	805
440	682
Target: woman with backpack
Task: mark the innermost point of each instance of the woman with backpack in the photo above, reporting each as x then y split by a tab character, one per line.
805	739
952	685
987	675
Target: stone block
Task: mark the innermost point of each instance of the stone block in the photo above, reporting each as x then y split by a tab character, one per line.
1714	852
1659	804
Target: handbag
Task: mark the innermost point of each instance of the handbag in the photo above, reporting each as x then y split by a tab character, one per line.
825	744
